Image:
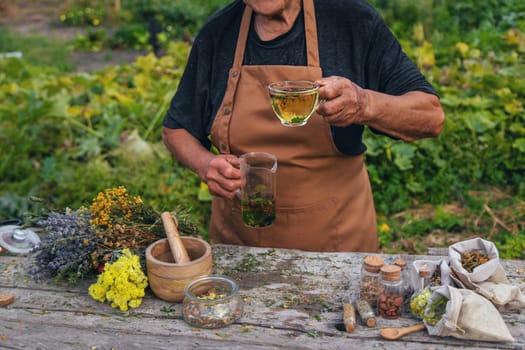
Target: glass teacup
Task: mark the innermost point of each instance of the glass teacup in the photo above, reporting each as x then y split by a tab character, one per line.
294	101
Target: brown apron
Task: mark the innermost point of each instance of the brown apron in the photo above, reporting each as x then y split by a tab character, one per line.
324	200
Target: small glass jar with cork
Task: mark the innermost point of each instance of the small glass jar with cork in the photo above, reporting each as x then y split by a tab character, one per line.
370	286
390	299
407	283
422	293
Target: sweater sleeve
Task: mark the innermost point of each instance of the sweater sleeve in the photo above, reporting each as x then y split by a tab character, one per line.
388	68
201	88
190	106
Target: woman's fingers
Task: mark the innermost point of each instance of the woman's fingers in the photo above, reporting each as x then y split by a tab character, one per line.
223	176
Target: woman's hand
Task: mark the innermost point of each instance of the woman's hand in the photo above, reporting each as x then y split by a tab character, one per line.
223	175
342	102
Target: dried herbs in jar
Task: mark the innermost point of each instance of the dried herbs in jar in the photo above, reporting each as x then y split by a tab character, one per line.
212	302
366	312
370	282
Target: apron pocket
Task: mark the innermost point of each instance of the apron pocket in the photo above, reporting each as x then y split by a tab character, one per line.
312	227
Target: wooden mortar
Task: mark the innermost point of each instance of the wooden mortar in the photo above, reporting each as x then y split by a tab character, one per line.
173	262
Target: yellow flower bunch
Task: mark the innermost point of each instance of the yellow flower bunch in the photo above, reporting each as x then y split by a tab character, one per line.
113	204
122	283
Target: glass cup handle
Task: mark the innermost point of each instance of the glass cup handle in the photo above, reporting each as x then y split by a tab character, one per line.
320	102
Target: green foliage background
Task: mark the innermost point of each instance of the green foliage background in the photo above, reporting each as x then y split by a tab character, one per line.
66	136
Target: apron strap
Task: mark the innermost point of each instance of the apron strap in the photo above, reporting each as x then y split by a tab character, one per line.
310	23
243	37
221	126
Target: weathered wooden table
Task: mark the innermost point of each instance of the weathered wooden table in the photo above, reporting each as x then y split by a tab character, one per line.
293	300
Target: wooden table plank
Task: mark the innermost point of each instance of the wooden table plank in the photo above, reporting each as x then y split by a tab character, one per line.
293	299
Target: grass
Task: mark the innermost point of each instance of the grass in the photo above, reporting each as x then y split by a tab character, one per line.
490	213
38	50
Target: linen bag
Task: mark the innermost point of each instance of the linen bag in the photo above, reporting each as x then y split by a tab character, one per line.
467	315
480	273
488	279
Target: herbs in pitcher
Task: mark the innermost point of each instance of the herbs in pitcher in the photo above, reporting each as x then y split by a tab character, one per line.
258	210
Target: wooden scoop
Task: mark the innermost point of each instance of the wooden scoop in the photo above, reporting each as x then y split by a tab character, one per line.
396	333
6	298
172	233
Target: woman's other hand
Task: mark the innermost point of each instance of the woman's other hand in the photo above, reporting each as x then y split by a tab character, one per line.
223	175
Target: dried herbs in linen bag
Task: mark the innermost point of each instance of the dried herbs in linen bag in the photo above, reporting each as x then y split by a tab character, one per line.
464	314
474	260
475	265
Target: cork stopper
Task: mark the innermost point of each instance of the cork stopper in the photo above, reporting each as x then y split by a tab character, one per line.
371	322
373	263
400	262
391	273
424	272
6	298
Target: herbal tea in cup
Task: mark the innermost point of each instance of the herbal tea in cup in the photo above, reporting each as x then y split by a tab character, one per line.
258	173
294	101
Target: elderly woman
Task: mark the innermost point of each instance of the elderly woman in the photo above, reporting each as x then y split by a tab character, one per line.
324	198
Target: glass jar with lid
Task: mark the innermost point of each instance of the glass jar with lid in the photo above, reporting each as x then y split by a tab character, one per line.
390	299
369	285
212	302
407	282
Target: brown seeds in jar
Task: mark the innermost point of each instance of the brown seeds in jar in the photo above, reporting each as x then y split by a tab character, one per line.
390	300
390	305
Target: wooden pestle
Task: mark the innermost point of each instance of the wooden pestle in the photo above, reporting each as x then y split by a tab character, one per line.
172	233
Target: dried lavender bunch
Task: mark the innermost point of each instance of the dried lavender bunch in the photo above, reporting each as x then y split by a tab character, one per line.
65	251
